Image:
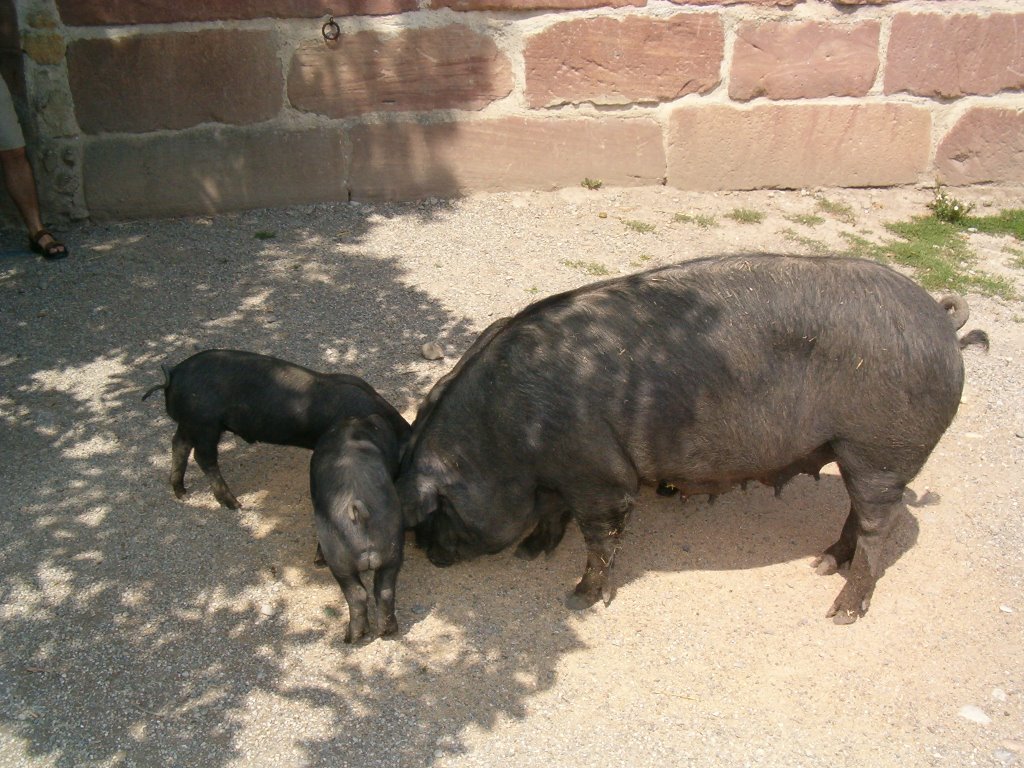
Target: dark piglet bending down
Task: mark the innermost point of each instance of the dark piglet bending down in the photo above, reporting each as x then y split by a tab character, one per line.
701	376
261	399
358	518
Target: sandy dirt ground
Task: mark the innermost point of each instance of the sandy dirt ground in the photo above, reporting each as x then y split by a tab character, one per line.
139	630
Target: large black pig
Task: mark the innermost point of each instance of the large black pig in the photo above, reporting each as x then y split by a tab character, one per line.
702	375
261	399
358	518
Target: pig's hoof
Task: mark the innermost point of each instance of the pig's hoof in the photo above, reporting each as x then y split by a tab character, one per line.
580	602
844	616
825	565
846	611
527	551
180	492
389	627
230	502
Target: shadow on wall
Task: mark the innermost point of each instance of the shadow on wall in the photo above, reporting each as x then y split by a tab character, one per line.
432	71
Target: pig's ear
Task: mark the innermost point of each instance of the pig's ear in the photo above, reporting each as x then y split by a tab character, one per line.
422	504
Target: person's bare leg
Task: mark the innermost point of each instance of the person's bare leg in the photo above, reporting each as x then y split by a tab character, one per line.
21	186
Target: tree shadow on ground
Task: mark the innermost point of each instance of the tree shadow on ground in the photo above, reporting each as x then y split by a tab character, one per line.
137	629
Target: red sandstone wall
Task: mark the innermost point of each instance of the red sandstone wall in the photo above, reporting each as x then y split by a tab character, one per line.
156	107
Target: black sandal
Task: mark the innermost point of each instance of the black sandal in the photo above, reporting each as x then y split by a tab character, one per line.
53	250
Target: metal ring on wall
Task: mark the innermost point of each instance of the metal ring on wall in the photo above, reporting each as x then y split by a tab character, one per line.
330	30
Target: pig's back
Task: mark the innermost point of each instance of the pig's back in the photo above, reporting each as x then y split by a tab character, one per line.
743	363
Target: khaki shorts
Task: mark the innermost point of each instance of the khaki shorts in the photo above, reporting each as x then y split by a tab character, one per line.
11	136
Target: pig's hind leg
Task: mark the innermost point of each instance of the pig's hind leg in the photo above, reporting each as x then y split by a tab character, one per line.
839	554
875	498
206	458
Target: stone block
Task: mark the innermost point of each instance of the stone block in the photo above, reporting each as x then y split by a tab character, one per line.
985	145
621	61
531	5
947	57
208	171
117	12
760	3
803	60
174	80
449	67
795	146
44	47
407	161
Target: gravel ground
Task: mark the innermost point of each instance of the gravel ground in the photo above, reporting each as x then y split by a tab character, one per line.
136	629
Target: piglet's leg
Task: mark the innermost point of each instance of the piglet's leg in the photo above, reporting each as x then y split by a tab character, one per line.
384	591
355	596
181	447
206	458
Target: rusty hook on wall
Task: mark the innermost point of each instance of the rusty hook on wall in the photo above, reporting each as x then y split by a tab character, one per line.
330	30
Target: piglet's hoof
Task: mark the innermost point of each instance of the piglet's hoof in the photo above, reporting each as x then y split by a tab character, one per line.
580	602
230	502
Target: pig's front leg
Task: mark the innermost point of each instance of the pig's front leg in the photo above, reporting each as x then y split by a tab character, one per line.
546	536
602	537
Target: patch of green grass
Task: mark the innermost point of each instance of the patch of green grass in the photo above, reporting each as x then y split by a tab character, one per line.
702	221
1018	257
592	183
817	247
638	226
938	253
862	248
807	219
587	267
840	211
264	234
745	216
1009	222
